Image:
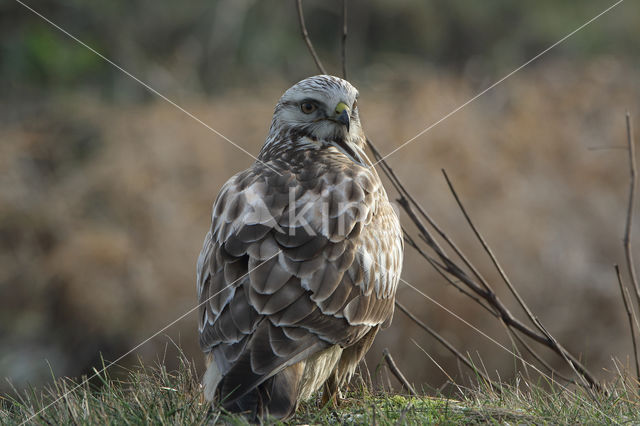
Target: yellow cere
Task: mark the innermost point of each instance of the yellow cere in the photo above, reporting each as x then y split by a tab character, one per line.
341	107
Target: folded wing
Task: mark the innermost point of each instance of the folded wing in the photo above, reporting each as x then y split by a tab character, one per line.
294	264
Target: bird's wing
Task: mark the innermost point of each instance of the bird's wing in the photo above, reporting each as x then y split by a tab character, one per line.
293	264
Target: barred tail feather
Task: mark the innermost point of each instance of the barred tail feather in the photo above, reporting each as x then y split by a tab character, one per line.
276	397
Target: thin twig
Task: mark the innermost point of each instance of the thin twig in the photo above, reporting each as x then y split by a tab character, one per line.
441	270
569	361
307	40
396	372
504	313
450	266
408	203
344	39
447	375
554	343
630	208
489	252
624	293
490	297
538	357
405	200
366	369
444	342
635	321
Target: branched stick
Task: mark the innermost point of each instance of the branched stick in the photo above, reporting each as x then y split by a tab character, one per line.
397	373
441	270
489	252
344	39
625	299
541	360
444	342
572	364
483	290
307	40
406	199
630	208
503	274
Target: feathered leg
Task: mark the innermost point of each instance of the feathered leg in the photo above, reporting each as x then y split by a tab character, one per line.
349	360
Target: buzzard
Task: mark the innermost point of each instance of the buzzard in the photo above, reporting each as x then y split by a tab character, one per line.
299	269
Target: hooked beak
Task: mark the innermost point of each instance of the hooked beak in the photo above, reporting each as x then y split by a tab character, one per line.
342	114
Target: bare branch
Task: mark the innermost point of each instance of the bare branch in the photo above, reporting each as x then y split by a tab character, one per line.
396	372
344	39
560	350
566	356
307	40
625	299
538	357
489	252
366	369
406	200
483	289
441	270
630	207
444	342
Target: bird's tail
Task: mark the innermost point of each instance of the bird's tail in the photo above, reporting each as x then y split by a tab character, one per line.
276	397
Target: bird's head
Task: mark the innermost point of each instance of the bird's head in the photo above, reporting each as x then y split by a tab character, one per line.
322	108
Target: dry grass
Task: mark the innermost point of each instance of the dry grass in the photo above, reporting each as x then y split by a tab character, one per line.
154	395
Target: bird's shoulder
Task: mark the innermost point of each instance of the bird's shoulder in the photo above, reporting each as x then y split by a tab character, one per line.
324	193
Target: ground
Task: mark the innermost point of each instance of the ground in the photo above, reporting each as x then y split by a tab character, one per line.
153	395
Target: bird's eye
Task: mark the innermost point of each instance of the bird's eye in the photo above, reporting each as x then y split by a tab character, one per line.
307	107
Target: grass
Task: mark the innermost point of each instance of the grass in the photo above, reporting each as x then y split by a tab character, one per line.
157	396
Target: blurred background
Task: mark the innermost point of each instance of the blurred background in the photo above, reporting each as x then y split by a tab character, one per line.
106	189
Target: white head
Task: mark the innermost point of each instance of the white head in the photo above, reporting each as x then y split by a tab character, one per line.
322	108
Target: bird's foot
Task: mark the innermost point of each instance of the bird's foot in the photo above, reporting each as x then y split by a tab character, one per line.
330	399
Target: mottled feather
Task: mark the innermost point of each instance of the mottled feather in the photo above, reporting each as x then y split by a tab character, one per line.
300	267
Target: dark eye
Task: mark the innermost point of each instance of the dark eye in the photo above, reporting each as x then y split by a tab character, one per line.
307	107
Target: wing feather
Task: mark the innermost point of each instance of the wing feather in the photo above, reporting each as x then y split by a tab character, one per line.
291	267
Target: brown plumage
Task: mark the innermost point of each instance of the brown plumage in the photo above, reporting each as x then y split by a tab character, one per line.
300	267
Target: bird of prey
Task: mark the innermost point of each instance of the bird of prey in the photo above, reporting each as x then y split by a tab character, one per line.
299	269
